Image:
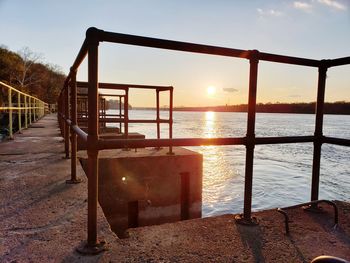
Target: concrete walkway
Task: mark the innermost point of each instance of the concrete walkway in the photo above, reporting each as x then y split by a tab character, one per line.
42	219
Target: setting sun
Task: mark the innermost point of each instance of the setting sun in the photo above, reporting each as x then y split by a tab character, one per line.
211	90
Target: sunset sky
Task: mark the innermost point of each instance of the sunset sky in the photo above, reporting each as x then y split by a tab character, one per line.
311	28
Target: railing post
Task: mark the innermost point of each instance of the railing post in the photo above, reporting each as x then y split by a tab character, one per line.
73	135
120	114
322	75
34	110
10	113
126	114
66	117
25	112
30	110
171	119
19	112
158	117
93	246
250	144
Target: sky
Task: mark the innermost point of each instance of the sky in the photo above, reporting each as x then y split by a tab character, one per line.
317	29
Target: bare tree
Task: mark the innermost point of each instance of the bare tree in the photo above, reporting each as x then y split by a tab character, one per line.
25	76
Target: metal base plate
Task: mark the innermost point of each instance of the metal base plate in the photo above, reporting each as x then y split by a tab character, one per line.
85	249
253	221
76	181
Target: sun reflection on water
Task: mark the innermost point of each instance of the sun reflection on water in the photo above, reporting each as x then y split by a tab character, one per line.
209	127
218	174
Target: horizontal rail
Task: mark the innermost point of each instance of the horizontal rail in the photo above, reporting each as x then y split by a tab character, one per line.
140	143
19	108
81	84
83	135
135	143
281	140
198	48
113	120
288	60
336	141
80	57
339	61
101	94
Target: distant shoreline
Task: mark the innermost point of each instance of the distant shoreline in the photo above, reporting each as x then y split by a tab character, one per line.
341	108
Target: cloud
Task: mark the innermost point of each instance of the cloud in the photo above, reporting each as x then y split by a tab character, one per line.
270	12
333	4
230	90
302	6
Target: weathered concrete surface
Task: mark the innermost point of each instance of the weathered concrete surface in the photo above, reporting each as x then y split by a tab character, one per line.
148	186
43	220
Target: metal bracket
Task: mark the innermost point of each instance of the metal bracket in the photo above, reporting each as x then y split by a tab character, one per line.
310	207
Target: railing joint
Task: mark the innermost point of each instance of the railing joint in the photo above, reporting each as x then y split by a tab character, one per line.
93	35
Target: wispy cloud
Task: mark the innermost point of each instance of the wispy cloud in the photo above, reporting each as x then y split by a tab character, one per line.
230	90
333	4
269	12
304	6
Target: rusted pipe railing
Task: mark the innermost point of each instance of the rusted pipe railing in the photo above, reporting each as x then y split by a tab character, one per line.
322	75
73	134
94	143
248	181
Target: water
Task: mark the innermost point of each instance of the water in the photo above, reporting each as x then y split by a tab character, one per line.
282	173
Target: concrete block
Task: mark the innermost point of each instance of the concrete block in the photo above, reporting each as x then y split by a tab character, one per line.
149	186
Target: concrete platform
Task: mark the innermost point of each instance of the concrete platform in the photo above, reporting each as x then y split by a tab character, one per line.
43	220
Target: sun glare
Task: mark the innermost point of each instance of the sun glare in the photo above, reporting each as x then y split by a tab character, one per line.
211	90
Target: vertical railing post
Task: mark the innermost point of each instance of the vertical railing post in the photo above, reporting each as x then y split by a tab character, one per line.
66	117
10	113
126	114
104	113
250	143
318	135
93	126
171	118
30	109
158	115
120	114
93	245
19	112
34	110
73	136
60	115
25	111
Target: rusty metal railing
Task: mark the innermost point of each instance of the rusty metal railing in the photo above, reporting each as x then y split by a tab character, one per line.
22	104
123	116
94	143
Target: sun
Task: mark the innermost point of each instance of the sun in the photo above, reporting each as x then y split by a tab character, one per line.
211	90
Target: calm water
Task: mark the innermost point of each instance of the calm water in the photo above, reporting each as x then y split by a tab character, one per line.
282	173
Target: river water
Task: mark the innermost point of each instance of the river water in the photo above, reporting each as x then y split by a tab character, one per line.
282	173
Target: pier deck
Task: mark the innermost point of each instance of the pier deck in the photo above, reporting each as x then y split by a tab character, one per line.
43	219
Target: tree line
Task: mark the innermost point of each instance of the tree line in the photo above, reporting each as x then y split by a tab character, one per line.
339	107
25	71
